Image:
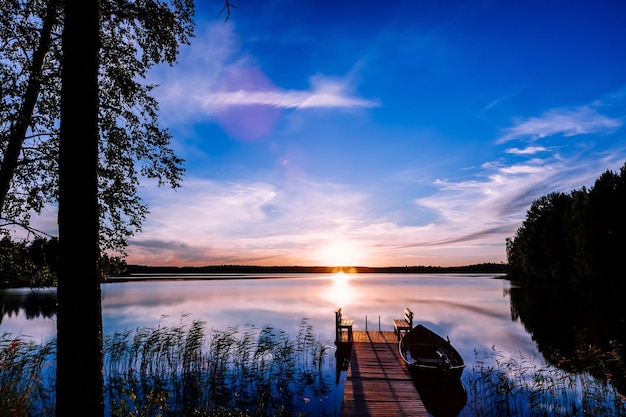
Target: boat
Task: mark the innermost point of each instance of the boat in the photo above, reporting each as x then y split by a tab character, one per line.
430	357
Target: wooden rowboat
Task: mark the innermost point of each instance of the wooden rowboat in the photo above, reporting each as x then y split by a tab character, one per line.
430	357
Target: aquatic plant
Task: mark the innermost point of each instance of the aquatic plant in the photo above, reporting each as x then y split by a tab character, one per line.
186	370
178	370
24	382
515	385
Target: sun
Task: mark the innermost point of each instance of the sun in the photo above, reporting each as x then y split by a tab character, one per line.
340	253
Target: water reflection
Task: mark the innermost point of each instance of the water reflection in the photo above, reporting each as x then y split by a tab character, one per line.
471	310
474	311
576	327
30	312
445	400
340	291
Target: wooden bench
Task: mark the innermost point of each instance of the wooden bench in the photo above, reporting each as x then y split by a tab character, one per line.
403	325
342	323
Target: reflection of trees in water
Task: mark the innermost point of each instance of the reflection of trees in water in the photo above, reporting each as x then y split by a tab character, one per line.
33	303
576	327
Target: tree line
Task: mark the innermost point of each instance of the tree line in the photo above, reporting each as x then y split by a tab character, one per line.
574	237
34	263
487	268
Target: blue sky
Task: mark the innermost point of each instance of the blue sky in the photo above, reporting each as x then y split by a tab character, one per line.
381	133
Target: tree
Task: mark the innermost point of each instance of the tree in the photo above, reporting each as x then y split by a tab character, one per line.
32	264
108	137
135	35
79	314
576	236
606	222
538	247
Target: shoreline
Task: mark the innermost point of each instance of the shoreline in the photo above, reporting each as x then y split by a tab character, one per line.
136	273
254	269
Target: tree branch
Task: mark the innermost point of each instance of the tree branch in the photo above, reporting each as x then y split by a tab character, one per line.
226	8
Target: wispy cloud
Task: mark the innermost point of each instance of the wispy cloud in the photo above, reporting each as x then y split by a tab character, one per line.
562	121
328	95
214	74
259	222
530	150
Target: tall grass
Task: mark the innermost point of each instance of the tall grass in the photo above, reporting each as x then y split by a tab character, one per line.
178	370
25	377
500	385
187	370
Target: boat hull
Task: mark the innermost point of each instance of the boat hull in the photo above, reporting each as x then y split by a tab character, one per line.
429	357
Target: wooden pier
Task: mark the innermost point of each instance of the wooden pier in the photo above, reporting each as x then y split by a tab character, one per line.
378	383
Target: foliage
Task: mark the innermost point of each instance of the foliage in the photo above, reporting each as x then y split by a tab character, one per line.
34	263
575	236
135	35
25	264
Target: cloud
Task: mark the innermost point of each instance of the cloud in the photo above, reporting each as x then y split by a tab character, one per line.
492	205
261	222
214	75
286	99
530	150
257	222
242	221
562	121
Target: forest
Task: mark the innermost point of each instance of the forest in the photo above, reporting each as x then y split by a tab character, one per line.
573	237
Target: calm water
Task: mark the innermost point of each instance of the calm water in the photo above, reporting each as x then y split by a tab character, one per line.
472	310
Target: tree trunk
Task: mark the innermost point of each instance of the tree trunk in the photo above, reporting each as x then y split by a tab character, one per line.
19	127
79	316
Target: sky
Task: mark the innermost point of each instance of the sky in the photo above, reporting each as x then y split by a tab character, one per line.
412	132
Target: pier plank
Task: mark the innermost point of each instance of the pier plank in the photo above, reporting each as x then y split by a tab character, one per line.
378	383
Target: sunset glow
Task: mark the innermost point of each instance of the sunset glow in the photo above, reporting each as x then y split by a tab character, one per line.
340	253
345	133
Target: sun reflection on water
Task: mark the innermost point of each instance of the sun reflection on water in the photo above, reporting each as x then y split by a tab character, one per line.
340	291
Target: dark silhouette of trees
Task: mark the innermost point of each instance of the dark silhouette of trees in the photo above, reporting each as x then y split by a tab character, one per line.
28	264
606	223
567	261
575	236
88	78
134	37
79	379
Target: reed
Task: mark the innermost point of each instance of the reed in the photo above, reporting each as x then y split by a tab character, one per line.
25	377
188	370
179	370
500	385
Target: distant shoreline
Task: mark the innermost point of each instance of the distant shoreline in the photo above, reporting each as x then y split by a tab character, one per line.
251	269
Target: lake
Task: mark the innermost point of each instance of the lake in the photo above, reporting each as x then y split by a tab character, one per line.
473	310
